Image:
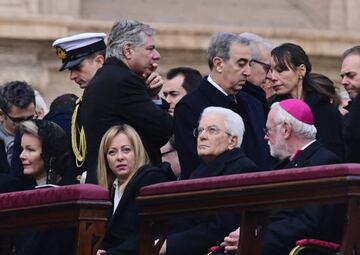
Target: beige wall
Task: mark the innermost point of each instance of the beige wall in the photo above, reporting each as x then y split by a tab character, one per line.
325	28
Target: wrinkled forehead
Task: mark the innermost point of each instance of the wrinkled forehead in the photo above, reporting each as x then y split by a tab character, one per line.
352	62
240	51
212	119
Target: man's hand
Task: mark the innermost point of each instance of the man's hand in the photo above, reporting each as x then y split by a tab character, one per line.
230	243
153	81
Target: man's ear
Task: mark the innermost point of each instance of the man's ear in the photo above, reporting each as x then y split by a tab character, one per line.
232	142
286	130
99	60
127	50
218	64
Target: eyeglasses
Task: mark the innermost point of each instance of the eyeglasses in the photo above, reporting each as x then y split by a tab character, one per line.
210	130
266	67
268	130
17	120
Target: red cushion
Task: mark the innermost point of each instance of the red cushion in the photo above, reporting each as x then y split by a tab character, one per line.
53	195
252	179
319	243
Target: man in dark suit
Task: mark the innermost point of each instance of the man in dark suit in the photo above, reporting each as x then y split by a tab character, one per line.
291	133
17	104
118	93
350	73
260	76
219	136
229	59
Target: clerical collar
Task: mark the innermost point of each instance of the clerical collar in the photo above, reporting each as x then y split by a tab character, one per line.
212	82
294	155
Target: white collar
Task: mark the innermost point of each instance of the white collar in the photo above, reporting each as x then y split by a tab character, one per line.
212	82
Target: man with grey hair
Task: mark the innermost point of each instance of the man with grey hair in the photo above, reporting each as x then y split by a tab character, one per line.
219	136
122	92
257	83
291	133
229	60
350	73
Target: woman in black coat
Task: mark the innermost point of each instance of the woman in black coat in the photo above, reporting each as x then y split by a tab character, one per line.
45	158
123	168
291	70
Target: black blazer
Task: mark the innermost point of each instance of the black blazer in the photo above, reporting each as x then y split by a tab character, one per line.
48	242
186	118
4	164
117	95
195	235
122	231
258	93
351	132
319	222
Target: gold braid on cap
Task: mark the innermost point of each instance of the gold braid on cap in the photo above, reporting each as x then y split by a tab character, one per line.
61	53
79	150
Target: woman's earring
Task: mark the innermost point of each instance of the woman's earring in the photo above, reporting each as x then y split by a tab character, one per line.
300	77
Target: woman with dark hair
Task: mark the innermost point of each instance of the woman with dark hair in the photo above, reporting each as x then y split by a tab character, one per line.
45	158
45	154
291	68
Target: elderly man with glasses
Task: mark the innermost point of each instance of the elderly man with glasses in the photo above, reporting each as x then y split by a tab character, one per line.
259	81
291	135
229	58
219	136
17	104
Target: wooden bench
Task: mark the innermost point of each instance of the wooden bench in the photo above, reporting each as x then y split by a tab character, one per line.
253	195
82	206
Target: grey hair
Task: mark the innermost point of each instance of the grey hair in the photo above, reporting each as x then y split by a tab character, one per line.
126	31
40	103
29	127
220	44
256	40
233	122
301	129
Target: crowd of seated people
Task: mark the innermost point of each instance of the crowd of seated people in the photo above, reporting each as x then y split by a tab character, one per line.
259	108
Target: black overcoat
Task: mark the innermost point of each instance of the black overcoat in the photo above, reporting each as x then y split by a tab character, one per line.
352	132
116	95
319	222
187	114
195	235
122	231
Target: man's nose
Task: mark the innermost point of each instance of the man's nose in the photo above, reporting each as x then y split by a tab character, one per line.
72	75
156	55
247	70
345	81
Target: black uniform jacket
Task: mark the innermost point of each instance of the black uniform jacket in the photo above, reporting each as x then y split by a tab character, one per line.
187	114
122	232
319	222
195	235
117	95
352	132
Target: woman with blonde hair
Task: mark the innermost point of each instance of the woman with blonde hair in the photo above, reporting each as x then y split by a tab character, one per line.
124	168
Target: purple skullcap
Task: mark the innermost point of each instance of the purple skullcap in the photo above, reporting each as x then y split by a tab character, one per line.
298	109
